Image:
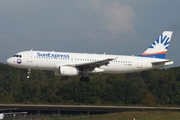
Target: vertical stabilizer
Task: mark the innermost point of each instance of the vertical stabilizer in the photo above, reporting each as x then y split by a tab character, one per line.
159	47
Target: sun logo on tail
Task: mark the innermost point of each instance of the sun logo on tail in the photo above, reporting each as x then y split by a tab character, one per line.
161	41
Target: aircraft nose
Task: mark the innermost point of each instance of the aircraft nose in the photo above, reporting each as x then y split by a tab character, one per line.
9	61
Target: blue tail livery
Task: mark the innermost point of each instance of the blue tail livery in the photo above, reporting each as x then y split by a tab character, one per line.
159	47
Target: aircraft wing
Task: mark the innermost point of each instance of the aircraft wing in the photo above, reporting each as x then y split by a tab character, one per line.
94	64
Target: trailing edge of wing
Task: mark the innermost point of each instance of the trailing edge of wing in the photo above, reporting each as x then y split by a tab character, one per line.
92	64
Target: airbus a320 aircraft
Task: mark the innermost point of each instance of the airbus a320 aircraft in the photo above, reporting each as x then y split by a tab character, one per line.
71	64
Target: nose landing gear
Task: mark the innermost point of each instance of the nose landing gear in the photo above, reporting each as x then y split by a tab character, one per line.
28	73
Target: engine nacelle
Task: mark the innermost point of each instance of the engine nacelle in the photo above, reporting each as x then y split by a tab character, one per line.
66	71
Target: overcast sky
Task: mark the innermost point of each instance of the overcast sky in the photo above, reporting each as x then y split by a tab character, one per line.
124	27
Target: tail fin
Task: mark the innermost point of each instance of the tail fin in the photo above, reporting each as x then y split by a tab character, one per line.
159	47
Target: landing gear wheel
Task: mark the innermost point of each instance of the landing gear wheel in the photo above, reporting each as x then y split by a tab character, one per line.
87	79
84	79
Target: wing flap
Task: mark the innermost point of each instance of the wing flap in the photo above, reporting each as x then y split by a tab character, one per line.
94	64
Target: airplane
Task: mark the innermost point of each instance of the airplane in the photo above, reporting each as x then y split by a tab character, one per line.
72	64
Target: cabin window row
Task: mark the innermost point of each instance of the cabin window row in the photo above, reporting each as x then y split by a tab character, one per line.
79	59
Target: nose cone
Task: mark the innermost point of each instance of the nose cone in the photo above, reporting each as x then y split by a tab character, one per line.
9	61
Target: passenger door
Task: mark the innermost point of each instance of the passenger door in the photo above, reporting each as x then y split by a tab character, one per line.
30	57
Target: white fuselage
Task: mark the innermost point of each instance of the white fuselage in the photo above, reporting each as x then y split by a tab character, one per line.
46	60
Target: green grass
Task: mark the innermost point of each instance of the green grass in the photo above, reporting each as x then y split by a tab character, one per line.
142	115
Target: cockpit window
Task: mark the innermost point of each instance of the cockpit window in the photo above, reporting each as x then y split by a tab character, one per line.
19	56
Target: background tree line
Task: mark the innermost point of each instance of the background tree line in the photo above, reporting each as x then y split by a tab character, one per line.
151	88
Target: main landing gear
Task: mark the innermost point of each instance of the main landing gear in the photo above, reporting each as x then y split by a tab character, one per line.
84	77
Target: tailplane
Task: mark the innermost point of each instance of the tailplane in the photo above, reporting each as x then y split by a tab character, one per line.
159	47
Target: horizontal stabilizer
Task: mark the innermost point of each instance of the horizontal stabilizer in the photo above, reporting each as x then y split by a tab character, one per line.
165	63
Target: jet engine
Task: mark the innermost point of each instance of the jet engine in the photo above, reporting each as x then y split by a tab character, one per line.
67	71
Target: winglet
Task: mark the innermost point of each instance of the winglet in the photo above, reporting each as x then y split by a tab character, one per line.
159	47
